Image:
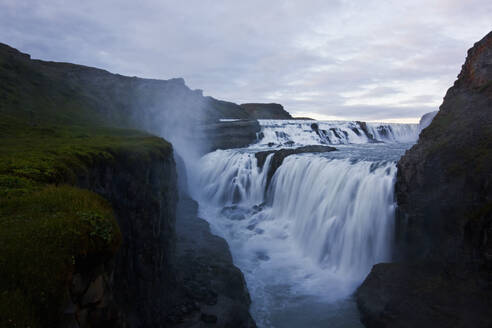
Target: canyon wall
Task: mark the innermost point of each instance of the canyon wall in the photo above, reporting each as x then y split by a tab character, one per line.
443	270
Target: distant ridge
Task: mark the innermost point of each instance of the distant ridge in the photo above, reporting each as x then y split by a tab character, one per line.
266	111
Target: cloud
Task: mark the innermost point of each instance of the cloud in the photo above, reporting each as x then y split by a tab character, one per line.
370	60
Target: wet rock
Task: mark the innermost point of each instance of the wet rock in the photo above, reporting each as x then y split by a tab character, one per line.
315	127
251	227
262	256
208	318
204	266
280	154
356	131
237	217
79	285
363	128
94	293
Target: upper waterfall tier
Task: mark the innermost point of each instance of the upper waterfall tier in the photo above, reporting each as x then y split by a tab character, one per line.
305	132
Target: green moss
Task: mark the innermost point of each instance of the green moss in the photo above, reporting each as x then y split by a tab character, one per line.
43	236
55	154
48	227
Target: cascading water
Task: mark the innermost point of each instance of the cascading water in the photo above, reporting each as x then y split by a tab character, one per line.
303	132
308	241
339	212
231	177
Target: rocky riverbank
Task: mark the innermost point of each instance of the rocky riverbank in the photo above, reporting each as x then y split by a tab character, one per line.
212	291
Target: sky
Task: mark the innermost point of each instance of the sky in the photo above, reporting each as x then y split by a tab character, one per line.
334	59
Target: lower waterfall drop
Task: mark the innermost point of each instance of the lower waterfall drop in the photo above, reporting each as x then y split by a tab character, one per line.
339	213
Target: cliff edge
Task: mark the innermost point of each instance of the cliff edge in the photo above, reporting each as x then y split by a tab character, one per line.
443	274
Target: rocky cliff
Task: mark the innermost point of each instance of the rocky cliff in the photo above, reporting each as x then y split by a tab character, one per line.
88	206
443	274
266	111
143	193
211	291
87	225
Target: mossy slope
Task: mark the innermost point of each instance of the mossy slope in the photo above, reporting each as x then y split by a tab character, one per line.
49	228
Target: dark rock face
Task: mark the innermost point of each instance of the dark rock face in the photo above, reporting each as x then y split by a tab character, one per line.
226	135
280	154
426	120
143	196
363	127
424	294
267	111
91	301
444	219
212	291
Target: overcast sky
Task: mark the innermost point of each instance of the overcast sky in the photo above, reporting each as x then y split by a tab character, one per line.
348	59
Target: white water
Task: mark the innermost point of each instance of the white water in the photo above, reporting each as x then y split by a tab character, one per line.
339	213
228	177
307	242
300	132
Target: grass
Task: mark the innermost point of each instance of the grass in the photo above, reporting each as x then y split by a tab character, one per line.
44	235
48	226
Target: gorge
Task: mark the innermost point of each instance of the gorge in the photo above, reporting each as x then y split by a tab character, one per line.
245	216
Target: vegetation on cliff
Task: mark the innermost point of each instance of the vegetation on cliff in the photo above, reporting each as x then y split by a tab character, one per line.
47	226
52	132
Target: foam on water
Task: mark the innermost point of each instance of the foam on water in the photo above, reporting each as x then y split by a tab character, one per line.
303	132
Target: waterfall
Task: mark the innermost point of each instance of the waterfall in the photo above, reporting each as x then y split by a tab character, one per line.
305	242
337	211
394	132
303	132
228	177
340	213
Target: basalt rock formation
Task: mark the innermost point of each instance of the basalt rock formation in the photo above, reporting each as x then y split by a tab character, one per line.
280	154
443	273
143	195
